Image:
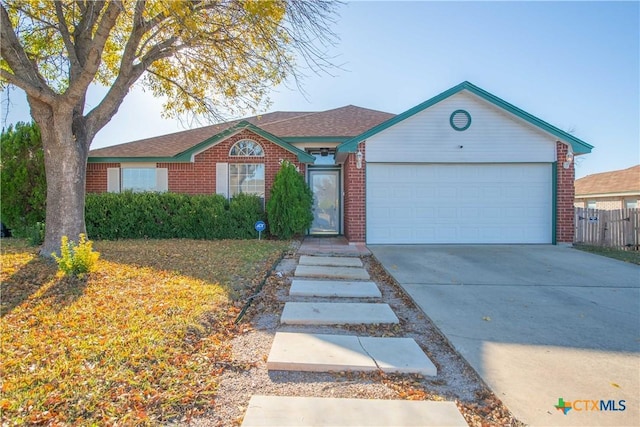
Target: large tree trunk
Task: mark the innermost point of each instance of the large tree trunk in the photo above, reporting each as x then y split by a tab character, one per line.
65	158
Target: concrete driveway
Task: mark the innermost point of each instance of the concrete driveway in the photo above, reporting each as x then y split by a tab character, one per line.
538	323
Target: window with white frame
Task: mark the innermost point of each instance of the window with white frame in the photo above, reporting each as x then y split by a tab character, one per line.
138	179
630	203
246	148
592	204
246	178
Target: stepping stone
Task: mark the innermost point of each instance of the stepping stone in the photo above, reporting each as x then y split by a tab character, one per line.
349	273
330	260
331	288
285	411
292	351
336	313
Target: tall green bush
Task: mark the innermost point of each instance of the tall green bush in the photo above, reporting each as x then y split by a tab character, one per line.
22	177
289	210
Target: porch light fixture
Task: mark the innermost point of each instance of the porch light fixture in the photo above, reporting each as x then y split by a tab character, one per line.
568	159
359	160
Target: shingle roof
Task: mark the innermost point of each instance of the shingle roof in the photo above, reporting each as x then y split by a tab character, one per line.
620	181
346	121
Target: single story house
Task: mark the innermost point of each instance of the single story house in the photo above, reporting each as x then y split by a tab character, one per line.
462	167
619	189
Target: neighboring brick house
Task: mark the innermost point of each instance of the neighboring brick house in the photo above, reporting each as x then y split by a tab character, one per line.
462	167
609	190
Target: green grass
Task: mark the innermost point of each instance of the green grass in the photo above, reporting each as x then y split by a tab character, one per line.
622	255
140	341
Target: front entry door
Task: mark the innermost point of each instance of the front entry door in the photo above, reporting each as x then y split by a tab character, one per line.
325	185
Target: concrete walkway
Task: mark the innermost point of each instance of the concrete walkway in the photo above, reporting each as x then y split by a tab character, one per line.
331	272
271	411
337	313
333	288
328	352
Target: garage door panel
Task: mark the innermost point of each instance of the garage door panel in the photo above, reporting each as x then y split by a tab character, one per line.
455	203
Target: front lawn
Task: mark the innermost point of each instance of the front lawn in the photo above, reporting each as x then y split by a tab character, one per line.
139	341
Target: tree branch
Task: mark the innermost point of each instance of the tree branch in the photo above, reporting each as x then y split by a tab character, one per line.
11	50
66	37
90	65
108	107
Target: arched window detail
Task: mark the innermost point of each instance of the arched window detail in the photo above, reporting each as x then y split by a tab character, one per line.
246	147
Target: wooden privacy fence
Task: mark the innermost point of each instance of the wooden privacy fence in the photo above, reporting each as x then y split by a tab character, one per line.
616	229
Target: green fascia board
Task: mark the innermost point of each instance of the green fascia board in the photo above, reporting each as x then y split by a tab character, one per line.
578	146
186	156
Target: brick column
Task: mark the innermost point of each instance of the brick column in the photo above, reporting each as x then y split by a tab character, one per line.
565	194
355	198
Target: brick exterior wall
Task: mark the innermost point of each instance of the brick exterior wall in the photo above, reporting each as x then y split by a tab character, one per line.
355	197
199	177
97	176
565	228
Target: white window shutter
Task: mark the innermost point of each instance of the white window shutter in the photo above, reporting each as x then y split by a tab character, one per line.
222	179
162	179
113	180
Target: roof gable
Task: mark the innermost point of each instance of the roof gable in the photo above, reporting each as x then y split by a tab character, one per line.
189	154
619	181
578	146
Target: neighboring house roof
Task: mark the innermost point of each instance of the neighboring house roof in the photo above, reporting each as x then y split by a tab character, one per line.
624	181
334	125
578	146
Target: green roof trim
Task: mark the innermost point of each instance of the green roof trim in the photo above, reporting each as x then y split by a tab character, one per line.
578	146
187	155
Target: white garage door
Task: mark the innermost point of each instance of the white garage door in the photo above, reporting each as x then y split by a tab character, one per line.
459	203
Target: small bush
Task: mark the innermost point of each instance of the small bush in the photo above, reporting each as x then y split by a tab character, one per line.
289	209
76	260
35	234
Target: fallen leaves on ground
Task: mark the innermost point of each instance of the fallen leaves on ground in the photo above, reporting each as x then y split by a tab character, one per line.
139	341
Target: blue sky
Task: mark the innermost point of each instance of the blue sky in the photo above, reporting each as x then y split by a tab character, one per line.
572	64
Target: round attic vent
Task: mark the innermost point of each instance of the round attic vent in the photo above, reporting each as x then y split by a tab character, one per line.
460	120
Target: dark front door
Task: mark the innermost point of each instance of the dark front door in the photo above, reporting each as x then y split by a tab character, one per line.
325	185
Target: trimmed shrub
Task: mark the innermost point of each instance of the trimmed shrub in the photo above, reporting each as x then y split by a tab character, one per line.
245	210
289	209
128	215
